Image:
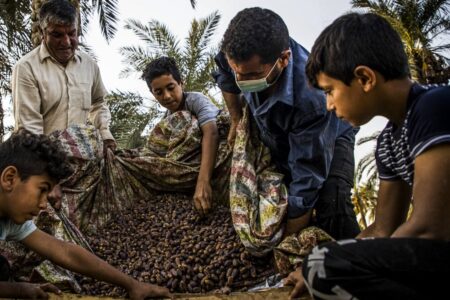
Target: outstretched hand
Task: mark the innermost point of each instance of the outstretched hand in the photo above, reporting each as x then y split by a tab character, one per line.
37	291
296	279
141	291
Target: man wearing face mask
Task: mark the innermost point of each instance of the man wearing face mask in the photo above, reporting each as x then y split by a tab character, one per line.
259	64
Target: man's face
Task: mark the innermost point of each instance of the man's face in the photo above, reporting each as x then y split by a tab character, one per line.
348	102
167	91
61	41
254	69
26	198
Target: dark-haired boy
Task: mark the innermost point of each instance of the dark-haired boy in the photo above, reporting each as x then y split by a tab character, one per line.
30	166
164	81
310	146
360	63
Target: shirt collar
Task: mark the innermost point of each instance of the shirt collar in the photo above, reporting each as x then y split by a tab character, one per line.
44	54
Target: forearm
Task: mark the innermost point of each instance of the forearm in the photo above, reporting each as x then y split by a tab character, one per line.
100	116
391	210
10	290
372	231
234	106
297	224
79	260
210	142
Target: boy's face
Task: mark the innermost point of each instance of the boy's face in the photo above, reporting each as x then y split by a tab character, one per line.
350	103
24	199
168	92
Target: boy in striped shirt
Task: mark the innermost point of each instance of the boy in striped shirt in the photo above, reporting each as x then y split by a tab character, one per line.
360	63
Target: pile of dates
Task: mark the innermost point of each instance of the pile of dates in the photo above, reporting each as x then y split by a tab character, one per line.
164	241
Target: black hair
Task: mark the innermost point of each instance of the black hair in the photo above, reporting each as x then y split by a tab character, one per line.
161	66
255	31
357	39
34	154
60	12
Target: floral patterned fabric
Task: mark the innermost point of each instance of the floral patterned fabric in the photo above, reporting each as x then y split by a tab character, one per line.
103	186
258	202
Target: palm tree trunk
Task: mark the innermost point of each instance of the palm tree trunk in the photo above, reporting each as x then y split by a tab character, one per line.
2	115
418	66
35	30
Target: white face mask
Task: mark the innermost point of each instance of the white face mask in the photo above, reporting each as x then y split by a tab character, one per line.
256	85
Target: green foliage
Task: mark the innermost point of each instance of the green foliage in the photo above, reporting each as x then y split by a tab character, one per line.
195	59
129	118
15	31
364	199
366	184
424	26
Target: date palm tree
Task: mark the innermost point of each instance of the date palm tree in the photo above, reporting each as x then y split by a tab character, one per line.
195	59
14	42
106	10
366	182
424	26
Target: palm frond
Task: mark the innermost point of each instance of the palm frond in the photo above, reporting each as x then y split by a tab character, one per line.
371	138
419	24
107	13
198	40
135	58
89	50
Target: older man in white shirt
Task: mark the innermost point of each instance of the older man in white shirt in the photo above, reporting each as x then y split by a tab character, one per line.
56	85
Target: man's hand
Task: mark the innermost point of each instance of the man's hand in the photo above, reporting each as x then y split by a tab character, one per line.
36	291
109	144
203	197
140	291
296	279
55	197
297	224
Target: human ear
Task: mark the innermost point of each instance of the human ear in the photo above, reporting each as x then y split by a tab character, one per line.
366	77
284	58
8	178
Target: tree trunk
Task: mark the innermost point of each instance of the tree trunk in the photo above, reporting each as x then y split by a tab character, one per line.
2	115
418	68
35	29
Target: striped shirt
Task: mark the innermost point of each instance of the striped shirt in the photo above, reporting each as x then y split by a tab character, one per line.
426	124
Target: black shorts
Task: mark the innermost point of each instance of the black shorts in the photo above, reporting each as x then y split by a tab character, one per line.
388	268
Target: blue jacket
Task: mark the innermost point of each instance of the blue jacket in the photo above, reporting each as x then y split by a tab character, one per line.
296	126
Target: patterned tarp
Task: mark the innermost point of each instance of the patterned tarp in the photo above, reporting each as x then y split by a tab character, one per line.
102	186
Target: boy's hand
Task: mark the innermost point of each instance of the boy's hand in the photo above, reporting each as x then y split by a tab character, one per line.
296	279
203	197
36	291
140	291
